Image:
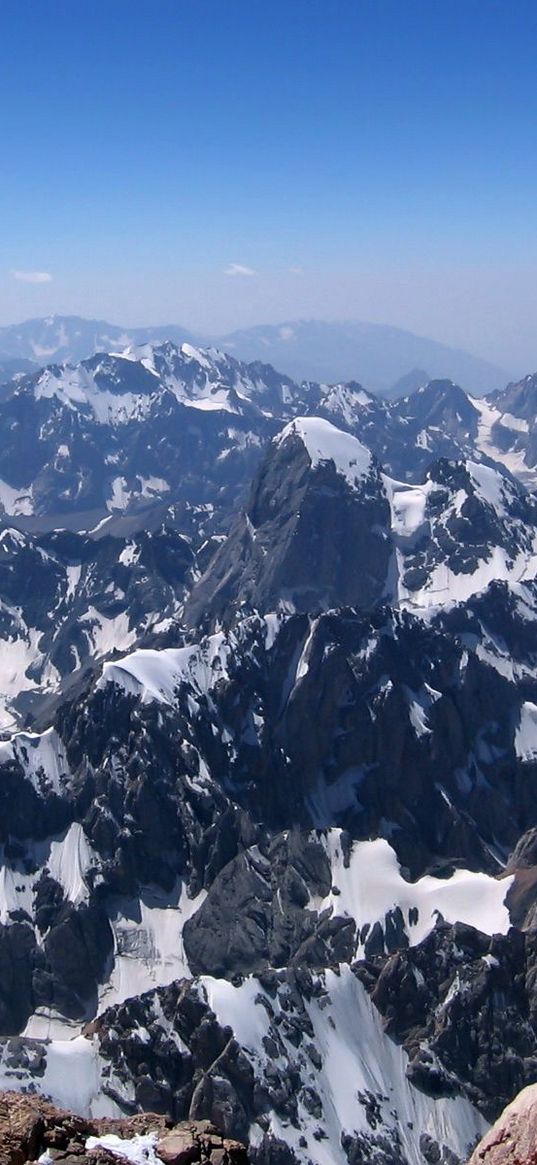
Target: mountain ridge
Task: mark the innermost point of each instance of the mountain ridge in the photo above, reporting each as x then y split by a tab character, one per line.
163	424
377	354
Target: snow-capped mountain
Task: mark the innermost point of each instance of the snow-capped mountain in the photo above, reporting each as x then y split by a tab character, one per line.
116	432
161	424
268	822
314	532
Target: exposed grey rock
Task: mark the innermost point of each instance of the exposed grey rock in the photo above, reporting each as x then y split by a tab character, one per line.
306	538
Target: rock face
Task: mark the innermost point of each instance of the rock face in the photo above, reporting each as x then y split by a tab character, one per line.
29	1127
462	1005
513	1138
314	534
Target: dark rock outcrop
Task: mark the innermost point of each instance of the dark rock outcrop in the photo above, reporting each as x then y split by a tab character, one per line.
464	1006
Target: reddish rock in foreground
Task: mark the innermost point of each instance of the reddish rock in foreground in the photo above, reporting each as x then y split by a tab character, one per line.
30	1126
512	1140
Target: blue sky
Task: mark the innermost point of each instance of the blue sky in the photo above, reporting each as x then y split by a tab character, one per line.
372	159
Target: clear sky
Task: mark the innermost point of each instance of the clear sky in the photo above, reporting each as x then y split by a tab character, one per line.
220	163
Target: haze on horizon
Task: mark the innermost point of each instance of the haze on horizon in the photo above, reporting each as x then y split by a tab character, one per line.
223	165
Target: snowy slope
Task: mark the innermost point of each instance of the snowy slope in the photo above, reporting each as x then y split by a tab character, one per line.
503	438
354	1086
360	1090
81	388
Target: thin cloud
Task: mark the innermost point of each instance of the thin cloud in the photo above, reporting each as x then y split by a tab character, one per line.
32	276
239	269
296	270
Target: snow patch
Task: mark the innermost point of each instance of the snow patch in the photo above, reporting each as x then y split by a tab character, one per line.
121	496
139	1150
407	506
69	861
148	943
526	732
371	885
107	634
16	502
42	757
156	675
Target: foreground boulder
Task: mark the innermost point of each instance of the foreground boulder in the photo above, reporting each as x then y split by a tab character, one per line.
31	1127
512	1140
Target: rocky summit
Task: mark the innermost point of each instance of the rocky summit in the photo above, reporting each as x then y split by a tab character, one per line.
268	763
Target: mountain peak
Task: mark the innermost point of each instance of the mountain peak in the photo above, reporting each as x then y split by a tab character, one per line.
325	443
313	535
408	383
519	398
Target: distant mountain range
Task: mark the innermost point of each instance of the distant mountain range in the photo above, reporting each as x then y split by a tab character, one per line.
375	354
380	357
